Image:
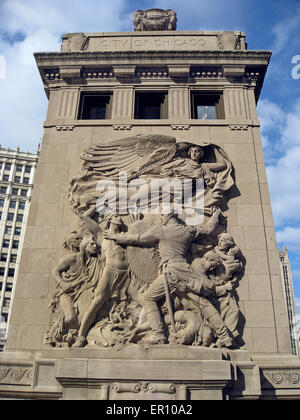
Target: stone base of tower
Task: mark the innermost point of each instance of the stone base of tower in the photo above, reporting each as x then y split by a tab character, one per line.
156	373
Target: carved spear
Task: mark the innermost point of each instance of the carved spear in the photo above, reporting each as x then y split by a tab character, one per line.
168	302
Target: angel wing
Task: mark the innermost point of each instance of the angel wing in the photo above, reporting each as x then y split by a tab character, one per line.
136	155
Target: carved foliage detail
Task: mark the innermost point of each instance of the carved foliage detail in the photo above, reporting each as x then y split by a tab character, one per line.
282	378
15	376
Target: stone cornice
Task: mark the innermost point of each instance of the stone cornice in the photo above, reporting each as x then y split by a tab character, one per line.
84	56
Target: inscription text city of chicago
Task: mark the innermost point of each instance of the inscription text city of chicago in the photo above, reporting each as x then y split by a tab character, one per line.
149	43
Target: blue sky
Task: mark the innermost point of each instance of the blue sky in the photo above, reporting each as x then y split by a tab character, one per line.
37	25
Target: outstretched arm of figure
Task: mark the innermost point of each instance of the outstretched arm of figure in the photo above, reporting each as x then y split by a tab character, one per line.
90	224
219	165
210	226
147	238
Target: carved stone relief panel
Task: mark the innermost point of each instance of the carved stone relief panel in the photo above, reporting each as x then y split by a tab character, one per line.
150	262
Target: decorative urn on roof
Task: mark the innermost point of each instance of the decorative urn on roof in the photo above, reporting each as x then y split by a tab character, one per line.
155	20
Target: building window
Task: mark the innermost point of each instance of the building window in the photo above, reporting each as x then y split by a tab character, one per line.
3	190
3	257
18	231
15	244
19	168
8	230
5	178
12	204
95	106
11	272
27	169
19	217
151	105
207	106
8	287
8	166
22	205
1	202
13	258
24	193
15	191
2	271
26	180
17	179
10	217
5	244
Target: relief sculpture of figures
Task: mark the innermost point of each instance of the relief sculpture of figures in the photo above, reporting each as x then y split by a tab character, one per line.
150	262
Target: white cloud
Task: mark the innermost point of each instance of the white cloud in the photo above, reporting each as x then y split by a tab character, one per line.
270	114
281	140
289	236
41	24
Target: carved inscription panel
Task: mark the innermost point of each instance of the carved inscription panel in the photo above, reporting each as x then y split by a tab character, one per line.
146	43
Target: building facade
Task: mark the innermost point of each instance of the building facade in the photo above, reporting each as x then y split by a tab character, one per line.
17	171
288	288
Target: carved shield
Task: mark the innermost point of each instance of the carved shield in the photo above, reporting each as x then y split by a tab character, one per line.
143	261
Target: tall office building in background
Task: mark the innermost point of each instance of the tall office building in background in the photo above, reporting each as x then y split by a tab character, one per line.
17	171
288	288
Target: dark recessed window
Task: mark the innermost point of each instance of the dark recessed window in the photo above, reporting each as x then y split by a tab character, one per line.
8	166
3	190
24	193
8	287
10	217
95	106
151	105
18	231
27	169
207	106
5	178
19	217
19	168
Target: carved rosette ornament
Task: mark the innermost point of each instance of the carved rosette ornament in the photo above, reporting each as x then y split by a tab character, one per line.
154	20
150	261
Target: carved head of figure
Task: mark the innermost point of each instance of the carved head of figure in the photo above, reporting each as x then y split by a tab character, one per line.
211	261
196	153
165	218
88	247
226	241
73	241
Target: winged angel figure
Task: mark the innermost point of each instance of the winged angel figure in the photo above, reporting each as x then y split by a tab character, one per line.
147	157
